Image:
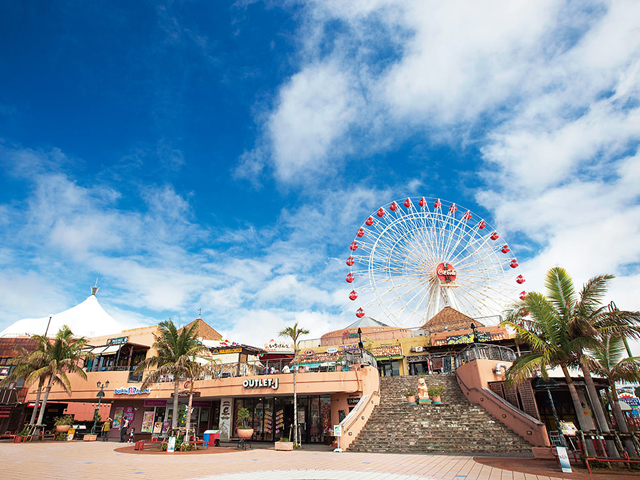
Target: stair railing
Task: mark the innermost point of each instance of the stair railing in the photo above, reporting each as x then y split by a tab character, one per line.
537	431
349	425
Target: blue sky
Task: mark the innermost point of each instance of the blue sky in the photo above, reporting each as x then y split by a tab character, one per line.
220	156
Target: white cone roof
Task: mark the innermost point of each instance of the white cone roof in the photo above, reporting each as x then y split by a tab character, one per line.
87	319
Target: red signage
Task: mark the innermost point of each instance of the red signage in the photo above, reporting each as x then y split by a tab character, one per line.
446	272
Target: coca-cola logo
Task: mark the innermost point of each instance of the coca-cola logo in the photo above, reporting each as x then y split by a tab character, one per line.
446	272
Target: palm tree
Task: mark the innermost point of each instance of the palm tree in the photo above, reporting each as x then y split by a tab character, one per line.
61	356
294	333
25	363
608	362
177	350
572	323
538	324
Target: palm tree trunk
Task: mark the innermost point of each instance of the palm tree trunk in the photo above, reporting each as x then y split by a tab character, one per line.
189	409
577	405
47	390
35	407
596	406
295	403
621	421
174	420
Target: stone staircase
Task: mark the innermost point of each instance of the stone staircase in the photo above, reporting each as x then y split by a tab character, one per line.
454	427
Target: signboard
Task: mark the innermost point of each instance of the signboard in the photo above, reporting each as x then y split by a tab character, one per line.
337	430
262	383
117	341
225	418
130	391
129	414
117	417
171	445
446	272
563	458
147	422
5	370
629	399
469	338
332	350
224	351
353	401
280	347
155	403
309	353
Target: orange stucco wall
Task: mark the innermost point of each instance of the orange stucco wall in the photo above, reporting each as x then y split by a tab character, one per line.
475	376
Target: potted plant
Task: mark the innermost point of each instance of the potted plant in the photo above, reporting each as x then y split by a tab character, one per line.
63	424
284	445
411	397
435	392
19	438
244	431
339	361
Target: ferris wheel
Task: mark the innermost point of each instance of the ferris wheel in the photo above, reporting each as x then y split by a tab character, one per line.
412	258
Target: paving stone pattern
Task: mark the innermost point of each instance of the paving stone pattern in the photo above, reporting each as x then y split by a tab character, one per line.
454	427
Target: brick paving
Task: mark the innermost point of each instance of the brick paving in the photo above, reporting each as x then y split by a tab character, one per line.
96	460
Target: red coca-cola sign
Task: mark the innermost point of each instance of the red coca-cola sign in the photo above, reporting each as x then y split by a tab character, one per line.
446	272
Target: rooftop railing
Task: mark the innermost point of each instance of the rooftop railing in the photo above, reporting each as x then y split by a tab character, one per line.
487	352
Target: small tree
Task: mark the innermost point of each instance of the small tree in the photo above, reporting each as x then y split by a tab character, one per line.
294	333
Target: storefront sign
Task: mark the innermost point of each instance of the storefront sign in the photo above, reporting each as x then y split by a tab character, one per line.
224	351
155	403
446	272
117	341
4	370
262	383
131	391
353	401
629	399
309	353
332	350
280	347
337	430
479	337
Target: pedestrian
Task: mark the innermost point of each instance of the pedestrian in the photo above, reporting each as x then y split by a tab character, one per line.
106	428
123	430
132	435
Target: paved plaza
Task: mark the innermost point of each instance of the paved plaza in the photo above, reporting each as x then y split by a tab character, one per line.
78	460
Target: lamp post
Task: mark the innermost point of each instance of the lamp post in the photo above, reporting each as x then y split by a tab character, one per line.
100	394
475	333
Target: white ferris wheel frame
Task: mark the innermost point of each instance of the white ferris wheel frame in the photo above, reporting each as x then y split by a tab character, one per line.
398	255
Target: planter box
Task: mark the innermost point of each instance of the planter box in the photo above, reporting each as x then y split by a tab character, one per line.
284	446
90	438
17	439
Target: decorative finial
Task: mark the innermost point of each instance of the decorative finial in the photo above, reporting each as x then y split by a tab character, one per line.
95	288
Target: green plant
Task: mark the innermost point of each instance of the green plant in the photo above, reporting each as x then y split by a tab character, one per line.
436	390
243	418
25	431
64	420
410	393
339	360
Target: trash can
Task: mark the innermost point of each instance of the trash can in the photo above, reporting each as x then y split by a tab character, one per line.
211	437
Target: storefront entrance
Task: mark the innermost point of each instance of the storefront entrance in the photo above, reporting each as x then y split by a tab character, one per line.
273	417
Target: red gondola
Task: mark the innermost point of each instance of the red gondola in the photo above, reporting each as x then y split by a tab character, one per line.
422	202
481	224
369	221
520	279
514	263
453	208
438	204
353	246
350	261
494	236
407	203
505	249
360	232
350	277
393	207
523	295
353	295
467	215
360	313
380	212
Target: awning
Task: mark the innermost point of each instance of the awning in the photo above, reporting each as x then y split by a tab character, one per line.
309	365
107	350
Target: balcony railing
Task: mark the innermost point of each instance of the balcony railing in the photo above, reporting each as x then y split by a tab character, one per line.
487	352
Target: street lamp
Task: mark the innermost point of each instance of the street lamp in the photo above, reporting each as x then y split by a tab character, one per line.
475	333
100	394
360	339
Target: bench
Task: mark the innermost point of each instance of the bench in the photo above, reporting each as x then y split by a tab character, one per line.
43	436
196	443
626	459
7	434
141	444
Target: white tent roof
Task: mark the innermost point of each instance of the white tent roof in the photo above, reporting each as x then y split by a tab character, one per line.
86	319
